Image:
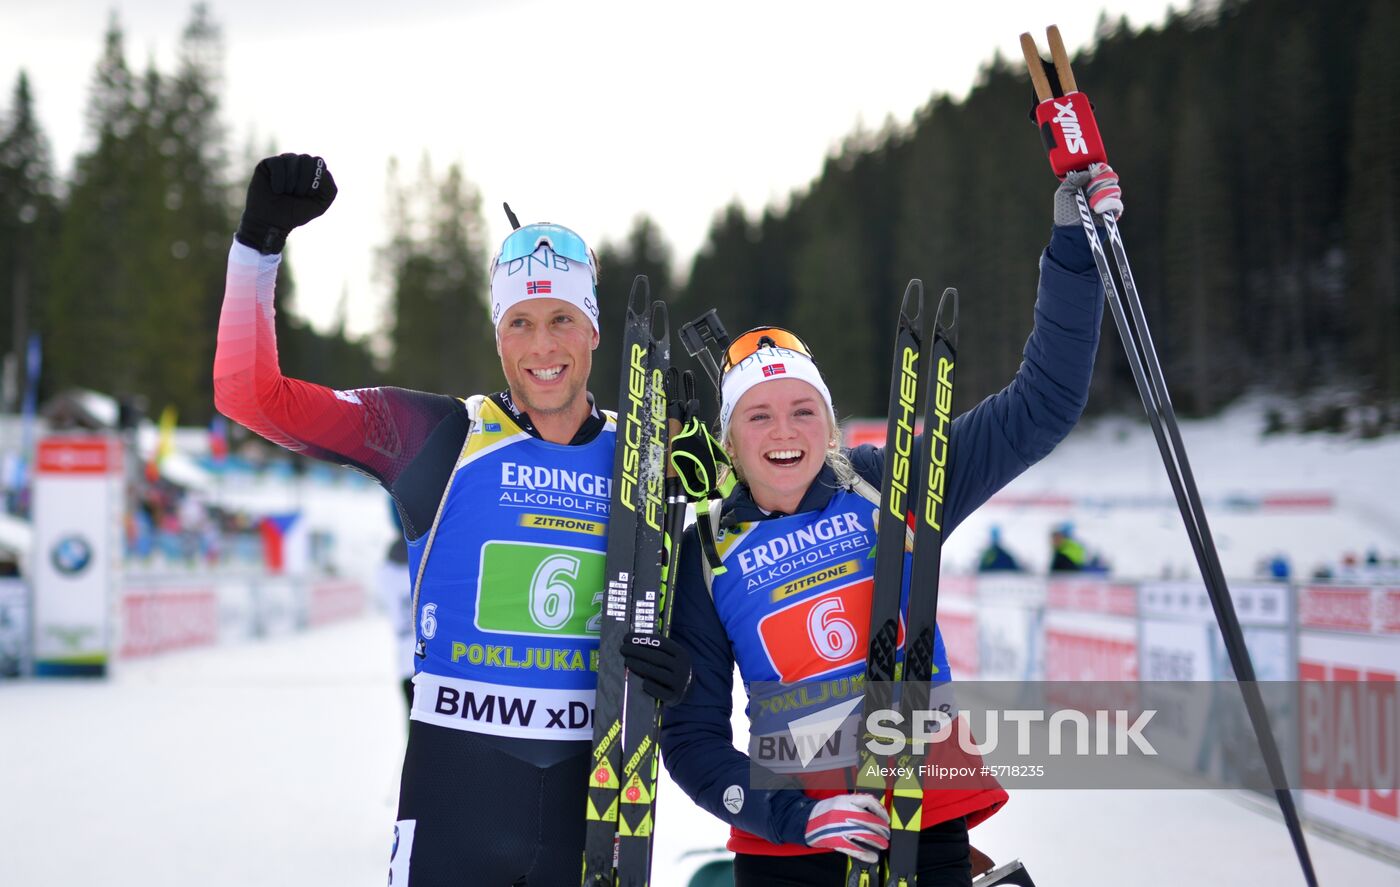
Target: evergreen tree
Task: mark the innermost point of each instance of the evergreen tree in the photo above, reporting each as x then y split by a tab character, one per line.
1373	217
92	272
1199	251
644	251
28	216
440	328
140	267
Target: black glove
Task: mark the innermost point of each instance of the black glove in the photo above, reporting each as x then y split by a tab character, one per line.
286	191
661	663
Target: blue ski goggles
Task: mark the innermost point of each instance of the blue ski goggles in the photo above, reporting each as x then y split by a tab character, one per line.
524	240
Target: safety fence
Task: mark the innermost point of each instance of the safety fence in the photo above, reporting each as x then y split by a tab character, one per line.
152	613
1015	627
996	627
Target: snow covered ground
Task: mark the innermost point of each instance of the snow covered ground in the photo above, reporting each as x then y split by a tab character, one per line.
275	763
1107	478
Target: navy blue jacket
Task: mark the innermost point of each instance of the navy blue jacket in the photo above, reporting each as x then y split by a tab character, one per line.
990	445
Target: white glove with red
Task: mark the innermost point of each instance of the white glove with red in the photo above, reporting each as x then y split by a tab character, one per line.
1100	184
856	825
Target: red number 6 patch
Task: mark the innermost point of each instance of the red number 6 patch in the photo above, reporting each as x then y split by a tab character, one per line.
821	634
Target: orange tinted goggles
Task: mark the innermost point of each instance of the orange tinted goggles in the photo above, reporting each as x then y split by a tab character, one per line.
761	337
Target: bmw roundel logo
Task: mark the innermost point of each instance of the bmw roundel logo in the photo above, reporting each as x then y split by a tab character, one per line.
71	555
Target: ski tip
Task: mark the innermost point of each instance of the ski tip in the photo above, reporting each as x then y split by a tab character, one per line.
661	324
640	295
945	321
912	305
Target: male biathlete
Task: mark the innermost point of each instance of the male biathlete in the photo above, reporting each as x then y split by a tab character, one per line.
504	500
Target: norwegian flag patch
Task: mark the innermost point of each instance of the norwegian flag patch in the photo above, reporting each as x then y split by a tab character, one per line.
538	287
774	369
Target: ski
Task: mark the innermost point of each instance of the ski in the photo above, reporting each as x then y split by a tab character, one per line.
921	612
628	499
889	544
649	610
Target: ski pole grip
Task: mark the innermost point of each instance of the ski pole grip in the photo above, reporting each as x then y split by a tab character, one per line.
1070	133
1060	57
1033	66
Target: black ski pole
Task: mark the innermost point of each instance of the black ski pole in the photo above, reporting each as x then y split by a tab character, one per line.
1142	360
1207	556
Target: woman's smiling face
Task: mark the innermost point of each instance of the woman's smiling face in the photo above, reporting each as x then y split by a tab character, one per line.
779	435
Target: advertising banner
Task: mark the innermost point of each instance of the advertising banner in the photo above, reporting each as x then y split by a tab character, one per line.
1010	627
159	619
77	518
1356	738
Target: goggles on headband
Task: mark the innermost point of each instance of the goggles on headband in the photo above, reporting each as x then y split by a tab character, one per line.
525	240
747	343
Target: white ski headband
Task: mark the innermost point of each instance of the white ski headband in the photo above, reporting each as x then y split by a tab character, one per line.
544	261
767	365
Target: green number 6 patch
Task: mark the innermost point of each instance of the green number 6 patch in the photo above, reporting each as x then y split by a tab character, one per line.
540	590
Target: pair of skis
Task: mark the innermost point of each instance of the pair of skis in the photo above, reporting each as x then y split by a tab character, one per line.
911	496
911	513
1152	389
644	526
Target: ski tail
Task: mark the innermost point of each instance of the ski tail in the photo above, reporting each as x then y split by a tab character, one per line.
600	842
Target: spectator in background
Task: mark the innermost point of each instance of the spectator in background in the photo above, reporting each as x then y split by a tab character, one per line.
1279	568
1350	570
995	558
396	597
1066	553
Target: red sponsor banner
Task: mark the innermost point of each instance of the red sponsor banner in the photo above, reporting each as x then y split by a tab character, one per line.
334	602
1387	610
869	431
1092	596
962	586
1349	748
1371	610
78	455
1322	501
1078	656
158	621
1380	705
959	632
